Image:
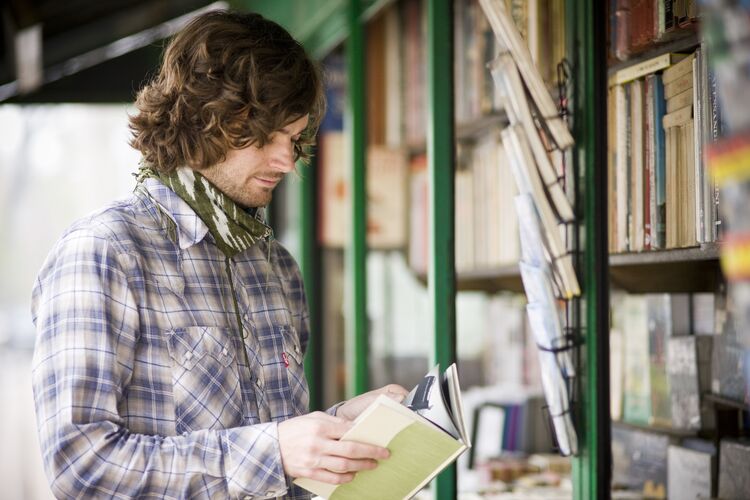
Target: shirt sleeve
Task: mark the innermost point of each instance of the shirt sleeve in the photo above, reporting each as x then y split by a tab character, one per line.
87	323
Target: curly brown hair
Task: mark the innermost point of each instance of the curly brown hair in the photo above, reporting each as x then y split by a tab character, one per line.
227	80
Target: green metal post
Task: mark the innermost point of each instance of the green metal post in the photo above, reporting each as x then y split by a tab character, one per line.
310	264
440	157
591	469
356	272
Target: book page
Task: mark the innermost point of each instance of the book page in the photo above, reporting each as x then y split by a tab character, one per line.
428	401
456	404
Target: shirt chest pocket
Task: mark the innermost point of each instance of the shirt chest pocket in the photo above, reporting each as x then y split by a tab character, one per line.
205	378
284	388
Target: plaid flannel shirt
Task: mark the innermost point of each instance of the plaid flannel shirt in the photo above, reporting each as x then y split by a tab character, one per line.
143	385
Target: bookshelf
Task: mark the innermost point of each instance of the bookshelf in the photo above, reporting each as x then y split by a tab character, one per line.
670	271
655	363
685	41
662	430
467	131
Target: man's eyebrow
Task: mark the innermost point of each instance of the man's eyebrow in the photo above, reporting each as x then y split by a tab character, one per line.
289	132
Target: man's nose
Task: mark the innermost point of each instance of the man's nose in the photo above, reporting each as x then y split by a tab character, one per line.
283	156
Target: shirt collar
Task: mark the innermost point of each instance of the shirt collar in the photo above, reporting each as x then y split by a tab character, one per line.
190	228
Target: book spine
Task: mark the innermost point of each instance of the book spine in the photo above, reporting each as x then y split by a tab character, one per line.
698	147
641	25
669	21
622	30
649	197
627	193
659	163
621	115
636	172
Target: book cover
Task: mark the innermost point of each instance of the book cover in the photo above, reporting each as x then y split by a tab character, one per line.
419	214
659	319
424	434
334	190
639	461
386	197
688	371
734	469
637	387
678	69
689	473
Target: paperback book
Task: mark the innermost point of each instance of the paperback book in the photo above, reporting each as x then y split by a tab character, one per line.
425	433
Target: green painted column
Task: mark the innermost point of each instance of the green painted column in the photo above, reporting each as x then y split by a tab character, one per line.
592	468
440	158
356	254
310	264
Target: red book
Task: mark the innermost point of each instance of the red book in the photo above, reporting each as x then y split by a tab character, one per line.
642	31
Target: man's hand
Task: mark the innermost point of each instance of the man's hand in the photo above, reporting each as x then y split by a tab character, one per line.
352	408
310	448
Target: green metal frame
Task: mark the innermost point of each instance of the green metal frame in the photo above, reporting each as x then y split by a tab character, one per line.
592	467
310	265
356	255
441	279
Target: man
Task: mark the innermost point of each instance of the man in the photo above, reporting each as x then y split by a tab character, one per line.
171	327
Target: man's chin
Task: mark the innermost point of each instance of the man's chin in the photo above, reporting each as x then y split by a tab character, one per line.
255	201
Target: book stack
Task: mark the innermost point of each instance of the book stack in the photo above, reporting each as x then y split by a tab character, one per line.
486	222
637	25
541	25
661	111
663	365
543	209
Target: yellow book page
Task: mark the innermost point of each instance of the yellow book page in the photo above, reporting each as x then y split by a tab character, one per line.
416	452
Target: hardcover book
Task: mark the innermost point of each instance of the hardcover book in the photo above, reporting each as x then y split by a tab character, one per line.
734	463
689	473
425	433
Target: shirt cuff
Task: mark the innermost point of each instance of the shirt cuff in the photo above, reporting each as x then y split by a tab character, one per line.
252	461
333	409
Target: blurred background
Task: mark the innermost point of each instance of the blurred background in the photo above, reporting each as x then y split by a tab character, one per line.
69	71
68	75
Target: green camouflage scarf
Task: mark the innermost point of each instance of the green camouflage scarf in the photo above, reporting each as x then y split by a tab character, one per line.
232	227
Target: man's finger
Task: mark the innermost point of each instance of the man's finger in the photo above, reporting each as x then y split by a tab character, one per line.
342	465
326	476
353	449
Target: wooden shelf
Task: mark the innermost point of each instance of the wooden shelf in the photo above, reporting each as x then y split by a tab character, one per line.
491	280
468	131
502	278
670	271
721	401
678	433
686	42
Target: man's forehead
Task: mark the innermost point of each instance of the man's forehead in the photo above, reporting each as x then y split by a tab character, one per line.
296	126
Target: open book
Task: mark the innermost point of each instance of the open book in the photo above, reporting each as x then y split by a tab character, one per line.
424	434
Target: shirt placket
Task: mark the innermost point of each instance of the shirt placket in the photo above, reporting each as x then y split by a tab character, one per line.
249	344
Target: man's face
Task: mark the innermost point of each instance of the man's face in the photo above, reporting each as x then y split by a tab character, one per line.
249	175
